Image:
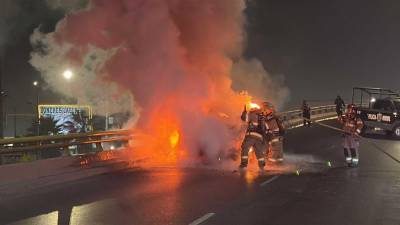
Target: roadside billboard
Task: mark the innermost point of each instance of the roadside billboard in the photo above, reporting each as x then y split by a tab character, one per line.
66	118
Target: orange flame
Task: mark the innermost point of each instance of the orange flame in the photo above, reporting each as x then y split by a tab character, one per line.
253	105
250	104
164	139
158	142
174	139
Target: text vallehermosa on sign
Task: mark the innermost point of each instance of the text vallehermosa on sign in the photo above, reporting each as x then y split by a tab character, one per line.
67	118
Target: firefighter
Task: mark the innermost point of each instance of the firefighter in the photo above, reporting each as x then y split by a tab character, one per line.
351	141
306	113
257	134
276	131
339	106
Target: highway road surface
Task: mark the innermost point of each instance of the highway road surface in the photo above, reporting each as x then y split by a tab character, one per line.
313	187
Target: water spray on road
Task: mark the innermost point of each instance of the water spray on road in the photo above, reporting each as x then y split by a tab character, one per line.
363	138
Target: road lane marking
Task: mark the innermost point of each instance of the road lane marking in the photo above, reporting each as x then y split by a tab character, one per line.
377	147
363	138
202	219
269	180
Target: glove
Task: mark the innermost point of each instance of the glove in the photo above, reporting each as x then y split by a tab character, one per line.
243	116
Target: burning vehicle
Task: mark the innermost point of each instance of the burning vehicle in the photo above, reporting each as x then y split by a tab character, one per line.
181	74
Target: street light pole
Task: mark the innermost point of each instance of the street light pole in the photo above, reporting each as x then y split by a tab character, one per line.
1	96
15	121
36	85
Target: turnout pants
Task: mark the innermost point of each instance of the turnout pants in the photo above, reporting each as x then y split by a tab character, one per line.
350	145
259	148
307	119
275	151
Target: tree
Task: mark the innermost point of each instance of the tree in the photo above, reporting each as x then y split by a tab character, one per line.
47	126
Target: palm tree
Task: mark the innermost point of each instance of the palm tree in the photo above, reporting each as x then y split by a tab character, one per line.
47	126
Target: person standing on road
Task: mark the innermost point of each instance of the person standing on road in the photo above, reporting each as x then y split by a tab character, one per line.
257	134
275	146
306	113
351	141
339	106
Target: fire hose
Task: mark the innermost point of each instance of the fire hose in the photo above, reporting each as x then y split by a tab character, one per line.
361	137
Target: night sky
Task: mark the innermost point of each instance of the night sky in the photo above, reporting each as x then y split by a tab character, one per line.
323	48
18	19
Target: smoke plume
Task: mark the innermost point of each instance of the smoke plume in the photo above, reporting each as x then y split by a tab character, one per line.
52	60
173	58
67	5
251	75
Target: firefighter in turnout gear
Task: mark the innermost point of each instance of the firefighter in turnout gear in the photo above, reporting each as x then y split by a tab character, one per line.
339	106
276	131
306	114
258	135
351	141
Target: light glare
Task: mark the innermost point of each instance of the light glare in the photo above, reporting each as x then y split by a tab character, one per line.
68	74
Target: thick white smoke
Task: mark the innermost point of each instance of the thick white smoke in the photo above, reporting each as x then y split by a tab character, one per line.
174	57
252	76
67	5
87	85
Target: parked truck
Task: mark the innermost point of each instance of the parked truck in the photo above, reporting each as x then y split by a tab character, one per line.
379	109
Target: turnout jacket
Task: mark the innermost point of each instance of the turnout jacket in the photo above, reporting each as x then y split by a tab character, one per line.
261	125
351	126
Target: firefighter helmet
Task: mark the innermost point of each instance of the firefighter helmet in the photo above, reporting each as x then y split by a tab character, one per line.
351	110
268	107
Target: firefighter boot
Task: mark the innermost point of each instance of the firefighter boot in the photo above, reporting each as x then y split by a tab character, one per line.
347	157
261	165
275	153
243	163
354	157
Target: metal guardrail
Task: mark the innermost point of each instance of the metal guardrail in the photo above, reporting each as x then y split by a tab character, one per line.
36	144
39	139
86	143
294	118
